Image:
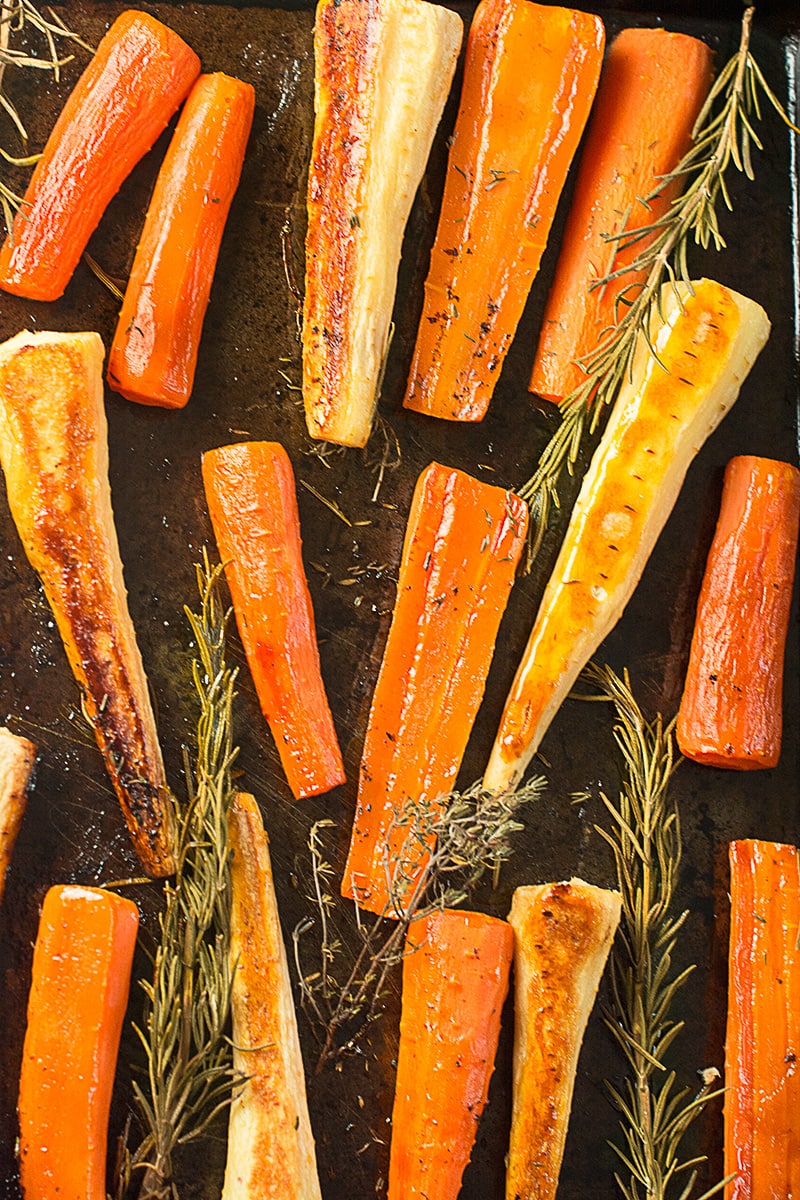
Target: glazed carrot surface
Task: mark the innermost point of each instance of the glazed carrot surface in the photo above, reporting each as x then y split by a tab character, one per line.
455	981
79	992
136	80
529	82
463	542
762	1046
154	352
731	711
251	498
652	88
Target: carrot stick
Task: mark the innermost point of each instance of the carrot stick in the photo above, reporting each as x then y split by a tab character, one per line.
652	88
79	992
762	1084
463	542
382	72
154	352
731	711
562	937
17	756
529	81
706	341
270	1144
54	454
138	76
253	507
455	981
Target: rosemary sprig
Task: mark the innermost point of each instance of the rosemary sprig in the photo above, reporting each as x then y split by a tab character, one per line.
646	842
187	1001
723	136
473	833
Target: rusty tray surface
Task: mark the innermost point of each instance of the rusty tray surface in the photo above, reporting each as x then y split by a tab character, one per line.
246	387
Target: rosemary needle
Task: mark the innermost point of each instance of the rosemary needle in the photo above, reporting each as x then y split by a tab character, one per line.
645	839
723	136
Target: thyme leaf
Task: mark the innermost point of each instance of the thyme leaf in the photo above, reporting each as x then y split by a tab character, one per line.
473	834
723	137
187	1000
645	839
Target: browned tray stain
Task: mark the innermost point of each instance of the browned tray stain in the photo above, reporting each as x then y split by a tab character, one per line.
246	388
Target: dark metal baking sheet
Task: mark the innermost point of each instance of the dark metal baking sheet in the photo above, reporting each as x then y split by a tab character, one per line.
246	387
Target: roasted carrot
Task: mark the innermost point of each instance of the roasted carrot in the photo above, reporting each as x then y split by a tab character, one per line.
382	72
154	352
652	88
462	545
138	76
79	991
762	1045
270	1144
455	981
529	80
253	507
562	936
17	756
705	341
54	453
731	711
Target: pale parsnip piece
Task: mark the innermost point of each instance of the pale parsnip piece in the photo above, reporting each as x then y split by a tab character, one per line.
661	418
382	74
54	453
270	1144
562	936
16	763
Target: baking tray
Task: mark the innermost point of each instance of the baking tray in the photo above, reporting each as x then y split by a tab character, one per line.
246	387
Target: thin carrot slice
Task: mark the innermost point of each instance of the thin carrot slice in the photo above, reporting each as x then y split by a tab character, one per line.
154	352
562	937
17	756
463	543
652	88
79	991
270	1144
762	1046
253	507
529	81
123	100
455	981
382	72
731	711
54	454
706	339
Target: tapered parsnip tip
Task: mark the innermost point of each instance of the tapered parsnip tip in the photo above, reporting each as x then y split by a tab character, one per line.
17	757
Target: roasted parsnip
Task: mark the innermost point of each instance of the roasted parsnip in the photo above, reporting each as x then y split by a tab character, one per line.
16	763
54	453
562	935
705	340
270	1144
382	74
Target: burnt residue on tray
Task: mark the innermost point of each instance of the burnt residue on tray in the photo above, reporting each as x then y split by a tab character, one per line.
353	507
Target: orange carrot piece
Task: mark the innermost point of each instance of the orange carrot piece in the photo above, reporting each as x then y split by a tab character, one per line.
251	499
455	981
731	710
79	993
652	88
529	81
463	543
154	352
123	100
762	1046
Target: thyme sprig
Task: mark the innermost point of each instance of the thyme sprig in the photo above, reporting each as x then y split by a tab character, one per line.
645	838
16	16
187	1004
723	137
473	833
